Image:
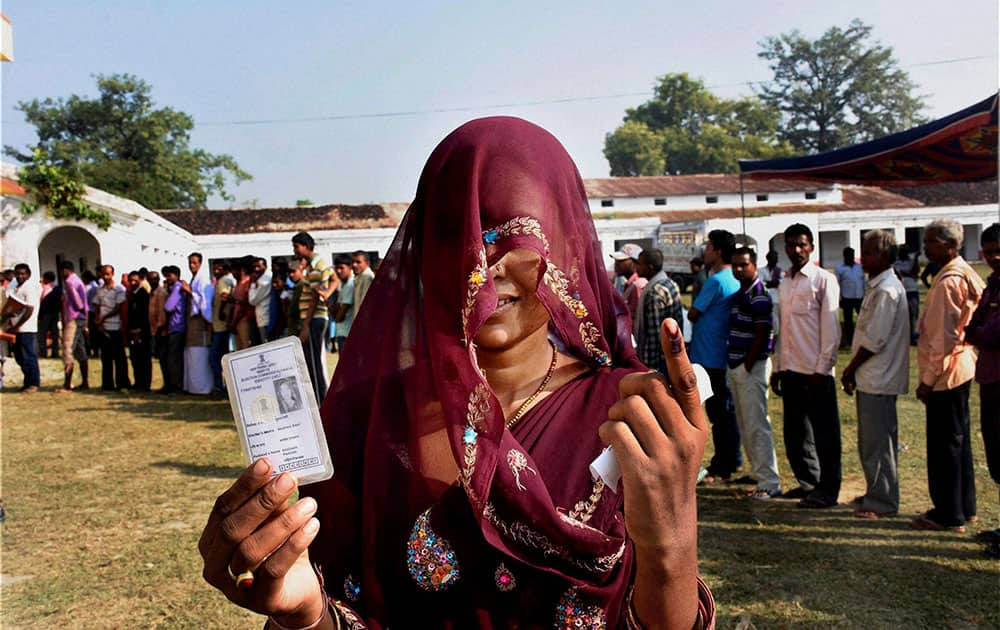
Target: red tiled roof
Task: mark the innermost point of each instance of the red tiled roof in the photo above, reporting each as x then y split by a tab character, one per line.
10	187
250	221
854	198
690	185
952	193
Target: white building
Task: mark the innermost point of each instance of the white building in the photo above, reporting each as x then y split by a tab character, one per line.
625	209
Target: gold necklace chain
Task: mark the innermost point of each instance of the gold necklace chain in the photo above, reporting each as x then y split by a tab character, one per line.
545	381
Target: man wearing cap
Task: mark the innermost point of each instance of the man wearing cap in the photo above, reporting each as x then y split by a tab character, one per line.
625	268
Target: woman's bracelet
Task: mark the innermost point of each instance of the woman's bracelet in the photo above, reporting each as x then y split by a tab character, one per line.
632	619
274	625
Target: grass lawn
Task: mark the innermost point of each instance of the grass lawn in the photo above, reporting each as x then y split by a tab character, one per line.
106	495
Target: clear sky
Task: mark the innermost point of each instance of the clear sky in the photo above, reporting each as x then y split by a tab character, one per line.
226	62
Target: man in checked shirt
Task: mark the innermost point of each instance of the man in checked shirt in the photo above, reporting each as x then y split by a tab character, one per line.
659	300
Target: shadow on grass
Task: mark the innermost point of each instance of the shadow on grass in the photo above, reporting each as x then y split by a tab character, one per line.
788	567
215	412
200	470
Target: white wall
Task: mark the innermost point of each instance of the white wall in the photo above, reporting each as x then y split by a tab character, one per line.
725	200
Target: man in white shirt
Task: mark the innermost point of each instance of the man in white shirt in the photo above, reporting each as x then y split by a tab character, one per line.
851	279
108	303
260	298
805	356
22	305
879	371
363	277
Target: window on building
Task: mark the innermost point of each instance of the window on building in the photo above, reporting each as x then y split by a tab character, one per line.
607	203
660	201
761	197
810	195
712	199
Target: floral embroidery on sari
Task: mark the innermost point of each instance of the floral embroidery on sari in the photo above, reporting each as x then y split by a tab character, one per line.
479	406
429	557
574	611
477	278
590	336
583	510
518	462
525	535
348	616
515	226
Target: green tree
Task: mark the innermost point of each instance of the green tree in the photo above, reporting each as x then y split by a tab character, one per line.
685	128
120	142
838	90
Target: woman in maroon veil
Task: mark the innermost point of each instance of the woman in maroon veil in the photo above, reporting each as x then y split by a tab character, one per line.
489	367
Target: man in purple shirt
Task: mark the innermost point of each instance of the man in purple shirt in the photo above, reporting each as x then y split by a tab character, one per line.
74	317
984	332
176	307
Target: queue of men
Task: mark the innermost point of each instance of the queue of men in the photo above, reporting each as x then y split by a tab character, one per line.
757	330
184	320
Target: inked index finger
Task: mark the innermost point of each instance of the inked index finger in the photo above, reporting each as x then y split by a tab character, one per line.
255	476
681	375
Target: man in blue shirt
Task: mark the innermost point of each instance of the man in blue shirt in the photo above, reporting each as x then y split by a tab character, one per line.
710	316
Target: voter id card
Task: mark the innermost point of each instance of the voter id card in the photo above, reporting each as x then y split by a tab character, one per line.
276	411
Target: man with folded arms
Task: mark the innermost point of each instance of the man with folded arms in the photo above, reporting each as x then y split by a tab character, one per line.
879	371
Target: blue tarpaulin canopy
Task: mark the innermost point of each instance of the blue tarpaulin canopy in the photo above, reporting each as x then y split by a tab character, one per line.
959	147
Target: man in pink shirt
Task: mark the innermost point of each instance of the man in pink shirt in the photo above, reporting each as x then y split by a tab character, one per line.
947	364
625	268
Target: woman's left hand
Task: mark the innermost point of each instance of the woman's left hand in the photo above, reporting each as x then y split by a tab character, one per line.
658	431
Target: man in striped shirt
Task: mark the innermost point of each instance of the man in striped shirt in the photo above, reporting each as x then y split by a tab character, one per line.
748	357
313	313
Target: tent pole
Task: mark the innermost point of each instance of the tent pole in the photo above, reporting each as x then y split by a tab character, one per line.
743	207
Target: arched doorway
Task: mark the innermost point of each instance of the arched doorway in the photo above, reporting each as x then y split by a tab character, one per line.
68	243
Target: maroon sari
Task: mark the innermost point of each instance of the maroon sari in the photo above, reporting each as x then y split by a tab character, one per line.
525	537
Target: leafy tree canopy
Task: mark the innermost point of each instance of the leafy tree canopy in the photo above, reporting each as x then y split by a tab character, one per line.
120	142
686	129
837	90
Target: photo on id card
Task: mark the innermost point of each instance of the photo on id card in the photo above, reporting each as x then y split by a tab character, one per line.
275	409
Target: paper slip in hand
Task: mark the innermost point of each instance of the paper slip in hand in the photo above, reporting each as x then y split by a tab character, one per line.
275	409
606	465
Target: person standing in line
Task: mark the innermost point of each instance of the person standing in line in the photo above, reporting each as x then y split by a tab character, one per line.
879	371
109	302
805	358
947	363
363	277
908	270
345	301
660	299
984	332
294	285
140	348
242	319
176	312
91	282
625	261
748	357
224	285
260	300
313	312
198	294
698	276
278	308
22	306
158	320
710	315
48	316
851	279
771	275
75	309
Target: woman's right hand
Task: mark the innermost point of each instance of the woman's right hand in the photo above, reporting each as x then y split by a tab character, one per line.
253	527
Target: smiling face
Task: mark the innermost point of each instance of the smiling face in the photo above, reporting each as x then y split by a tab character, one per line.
519	311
